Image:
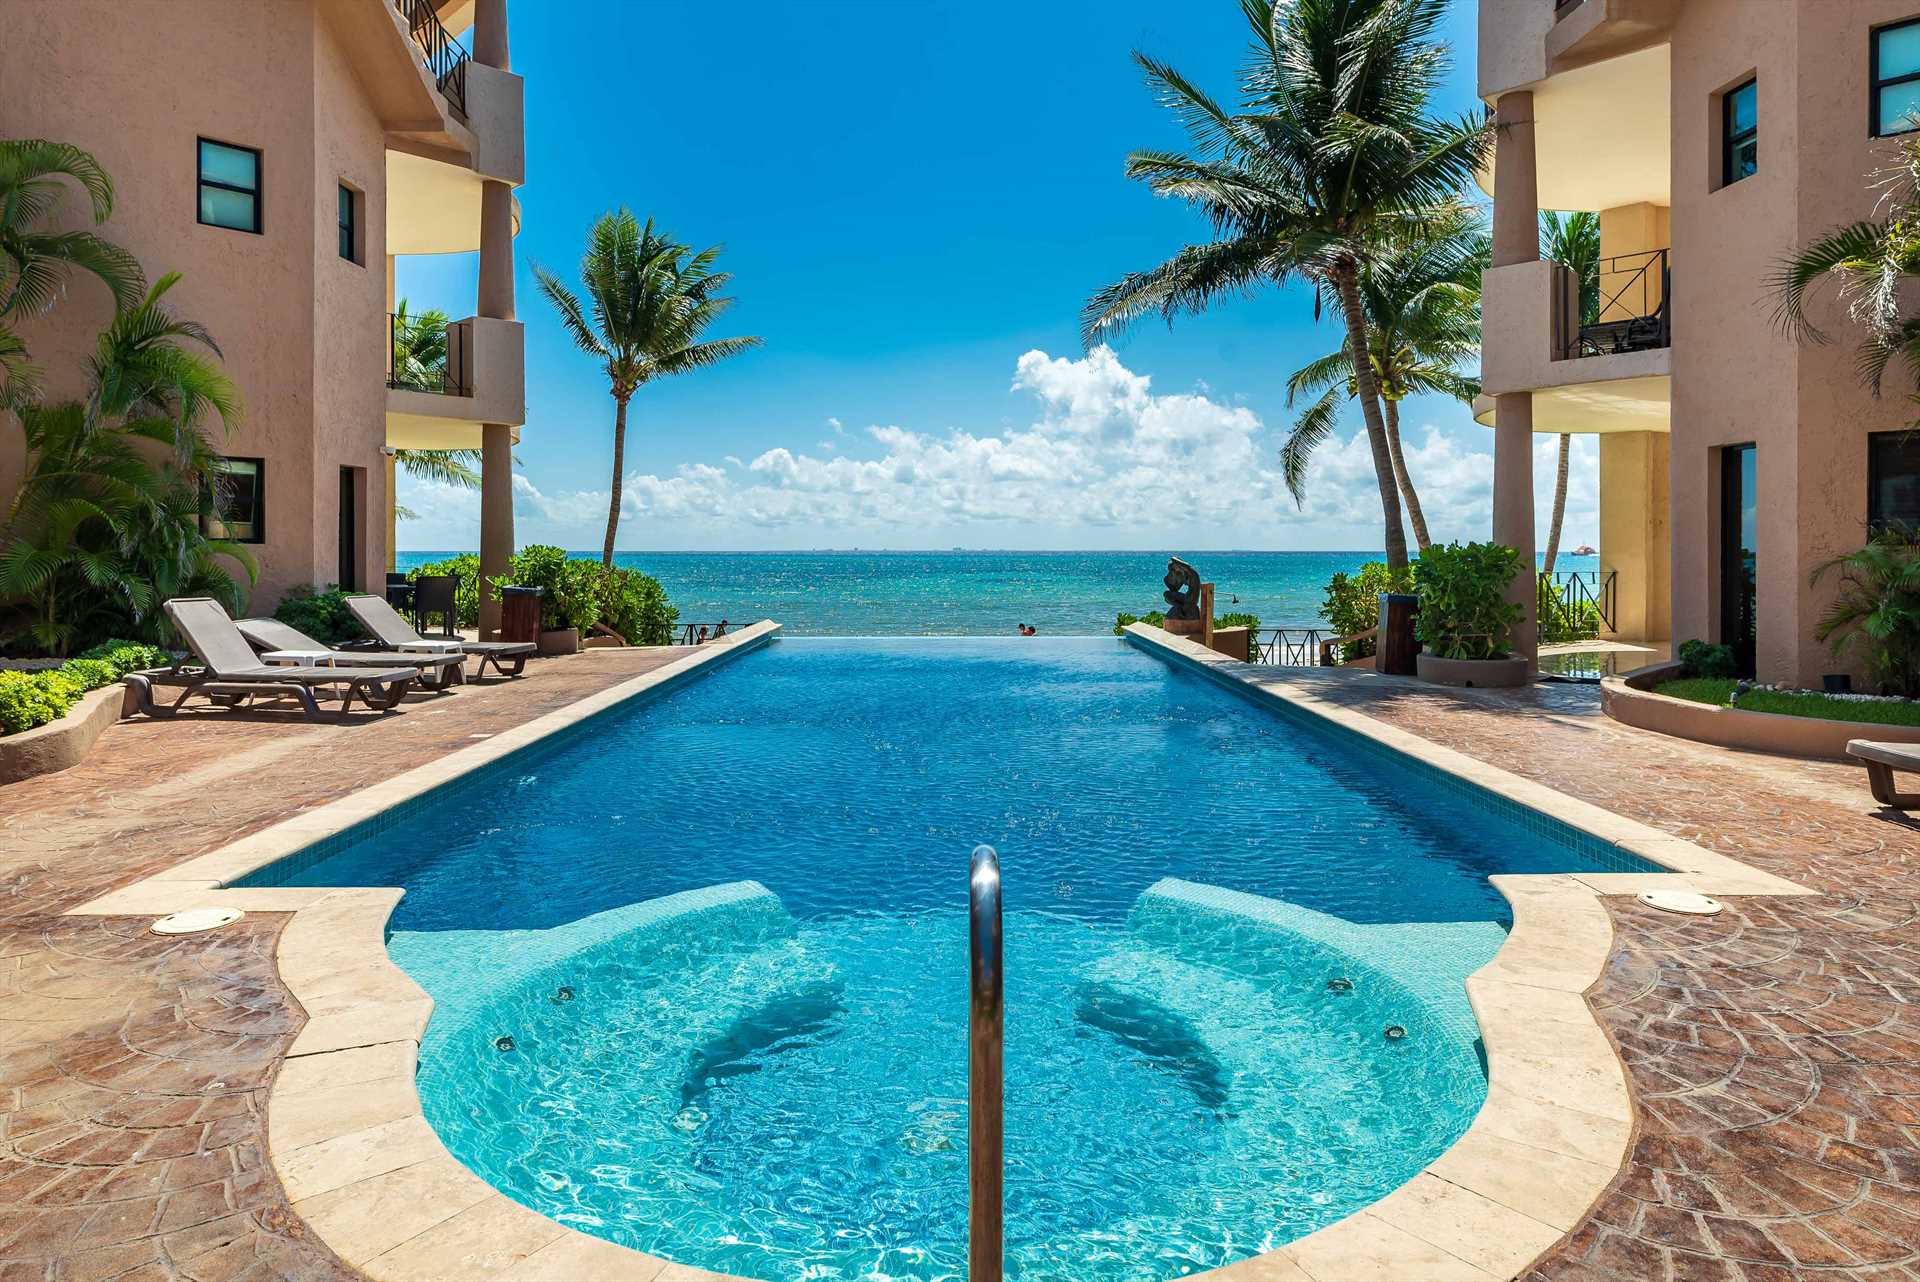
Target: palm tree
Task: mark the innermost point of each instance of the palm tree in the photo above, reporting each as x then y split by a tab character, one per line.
35	261
1871	260
1573	241
1878	606
652	299
100	531
1422	305
1332	157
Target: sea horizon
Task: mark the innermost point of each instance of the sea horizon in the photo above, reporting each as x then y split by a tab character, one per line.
973	591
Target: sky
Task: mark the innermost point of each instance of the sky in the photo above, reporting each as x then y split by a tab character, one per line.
915	199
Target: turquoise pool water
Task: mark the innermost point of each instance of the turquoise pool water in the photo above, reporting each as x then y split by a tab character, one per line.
700	967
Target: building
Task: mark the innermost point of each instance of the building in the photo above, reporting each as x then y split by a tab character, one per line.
1713	138
281	156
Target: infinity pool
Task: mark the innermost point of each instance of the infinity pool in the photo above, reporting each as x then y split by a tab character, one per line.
700	965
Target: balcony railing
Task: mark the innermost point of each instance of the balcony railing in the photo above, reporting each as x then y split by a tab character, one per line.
1635	312
1580	602
446	59
427	355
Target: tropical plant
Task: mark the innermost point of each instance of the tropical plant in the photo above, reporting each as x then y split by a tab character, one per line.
1706	659
321	613
652	298
1422	304
36	261
570	590
1333	158
1573	241
1352	603
1877	609
1464	611
1238	619
29	699
634	606
100	531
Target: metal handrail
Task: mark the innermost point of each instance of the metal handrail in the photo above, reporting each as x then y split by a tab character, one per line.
1636	316
446	58
442	372
1571	594
986	1037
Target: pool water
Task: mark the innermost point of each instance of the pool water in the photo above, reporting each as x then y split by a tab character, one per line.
700	968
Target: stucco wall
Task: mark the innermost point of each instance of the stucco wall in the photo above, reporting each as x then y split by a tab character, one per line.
299	329
1737	376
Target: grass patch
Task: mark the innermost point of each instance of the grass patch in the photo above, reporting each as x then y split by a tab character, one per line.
1719	692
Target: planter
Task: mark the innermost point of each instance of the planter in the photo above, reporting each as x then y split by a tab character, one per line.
560	641
1483	674
64	742
1631	700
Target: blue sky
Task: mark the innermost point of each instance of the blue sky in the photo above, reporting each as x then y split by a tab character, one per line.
915	199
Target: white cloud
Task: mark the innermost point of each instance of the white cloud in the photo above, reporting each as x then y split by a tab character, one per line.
1105	461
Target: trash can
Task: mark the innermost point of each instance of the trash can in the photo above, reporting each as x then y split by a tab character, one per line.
1397	647
520	613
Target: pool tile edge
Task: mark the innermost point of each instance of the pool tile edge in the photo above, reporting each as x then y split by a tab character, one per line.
346	1134
1558	1123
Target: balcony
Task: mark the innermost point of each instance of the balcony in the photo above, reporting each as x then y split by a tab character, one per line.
445	379
1634	313
446	59
1611	375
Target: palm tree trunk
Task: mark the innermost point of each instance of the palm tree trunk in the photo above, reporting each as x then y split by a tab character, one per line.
1346	281
1414	514
1559	503
619	470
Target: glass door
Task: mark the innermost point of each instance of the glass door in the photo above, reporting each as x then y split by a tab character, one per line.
1739	539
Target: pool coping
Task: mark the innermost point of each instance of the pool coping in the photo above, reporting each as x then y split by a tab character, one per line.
1558	1123
348	1139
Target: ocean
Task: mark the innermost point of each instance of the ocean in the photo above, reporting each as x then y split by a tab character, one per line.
963	593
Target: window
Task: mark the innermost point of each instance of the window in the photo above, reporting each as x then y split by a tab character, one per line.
1739	550
1739	133
1893	481
1895	58
229	186
238	510
349	224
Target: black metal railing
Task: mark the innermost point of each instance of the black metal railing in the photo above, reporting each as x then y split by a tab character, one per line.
446	59
1580	602
1291	647
1561	8
1635	313
695	633
426	355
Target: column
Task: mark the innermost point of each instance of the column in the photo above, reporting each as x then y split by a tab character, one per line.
1636	543
495	301
1516	239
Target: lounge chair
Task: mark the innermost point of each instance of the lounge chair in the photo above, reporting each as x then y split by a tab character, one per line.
232	674
394	632
283	643
1881	760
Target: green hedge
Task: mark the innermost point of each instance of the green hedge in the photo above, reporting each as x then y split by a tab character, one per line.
1352	603
29	699
320	613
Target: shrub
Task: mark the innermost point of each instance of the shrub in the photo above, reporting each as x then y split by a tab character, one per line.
1561	620
1464	611
570	590
1156	618
466	593
1352	603
1705	659
1238	619
320	613
1123	620
89	674
1878	609
635	606
127	656
29	699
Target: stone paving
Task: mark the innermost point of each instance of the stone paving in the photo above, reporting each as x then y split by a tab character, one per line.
1774	1050
133	1069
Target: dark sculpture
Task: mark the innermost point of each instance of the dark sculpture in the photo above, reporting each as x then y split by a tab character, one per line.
1183	590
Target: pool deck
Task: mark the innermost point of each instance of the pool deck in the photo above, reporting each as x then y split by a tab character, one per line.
1773	1051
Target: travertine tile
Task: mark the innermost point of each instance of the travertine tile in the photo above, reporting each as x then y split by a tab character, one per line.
487	1240
370	1217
